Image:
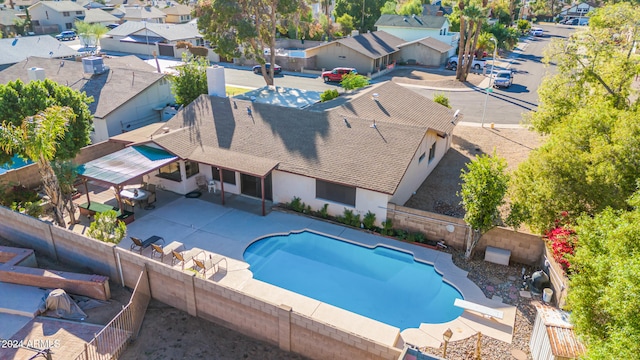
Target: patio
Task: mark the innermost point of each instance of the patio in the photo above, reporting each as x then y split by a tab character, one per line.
204	224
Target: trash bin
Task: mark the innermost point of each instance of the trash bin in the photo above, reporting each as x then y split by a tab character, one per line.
547	295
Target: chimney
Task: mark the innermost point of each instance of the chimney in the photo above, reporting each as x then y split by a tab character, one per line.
35	74
439	13
215	81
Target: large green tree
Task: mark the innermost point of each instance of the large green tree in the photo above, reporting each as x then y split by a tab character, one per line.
596	64
484	185
90	34
604	286
19	100
365	13
37	138
247	27
472	17
191	80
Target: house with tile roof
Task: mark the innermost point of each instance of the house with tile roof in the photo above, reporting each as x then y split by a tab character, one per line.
59	15
358	152
23	4
177	14
135	37
7	21
427	51
16	50
127	92
367	53
415	27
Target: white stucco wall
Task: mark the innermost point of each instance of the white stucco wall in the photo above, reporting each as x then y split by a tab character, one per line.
423	55
287	185
411	34
137	112
337	55
417	171
48	16
228	188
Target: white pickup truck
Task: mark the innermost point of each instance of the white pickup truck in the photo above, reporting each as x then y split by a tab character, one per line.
476	65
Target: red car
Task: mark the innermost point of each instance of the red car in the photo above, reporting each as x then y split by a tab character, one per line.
337	74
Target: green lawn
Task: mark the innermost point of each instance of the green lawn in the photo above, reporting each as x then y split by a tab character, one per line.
232	90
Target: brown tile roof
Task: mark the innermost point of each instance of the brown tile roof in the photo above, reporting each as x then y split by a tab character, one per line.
310	142
178	9
126	78
373	45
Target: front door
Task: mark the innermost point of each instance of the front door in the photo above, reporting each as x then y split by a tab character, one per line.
250	185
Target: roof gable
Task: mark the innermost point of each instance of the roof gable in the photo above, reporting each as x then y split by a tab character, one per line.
98	15
373	45
178	9
60	6
431	43
419	22
14	50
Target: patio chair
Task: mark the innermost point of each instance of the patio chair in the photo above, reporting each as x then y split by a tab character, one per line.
201	181
128	202
162	251
139	245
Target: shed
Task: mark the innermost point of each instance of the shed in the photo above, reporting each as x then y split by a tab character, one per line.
553	337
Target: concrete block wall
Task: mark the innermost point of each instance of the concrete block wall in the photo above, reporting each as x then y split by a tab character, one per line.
559	280
273	323
525	248
434	226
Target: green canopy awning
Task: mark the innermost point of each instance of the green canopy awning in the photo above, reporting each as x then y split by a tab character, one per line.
129	163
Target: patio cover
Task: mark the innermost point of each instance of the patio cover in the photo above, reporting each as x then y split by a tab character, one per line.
129	163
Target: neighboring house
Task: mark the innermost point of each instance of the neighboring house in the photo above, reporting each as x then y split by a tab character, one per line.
23	4
368	53
99	16
55	15
7	18
358	152
127	93
577	10
147	14
15	50
427	51
410	28
135	37
436	9
178	14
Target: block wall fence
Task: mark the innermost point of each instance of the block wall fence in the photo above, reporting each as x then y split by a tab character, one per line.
525	248
277	324
29	176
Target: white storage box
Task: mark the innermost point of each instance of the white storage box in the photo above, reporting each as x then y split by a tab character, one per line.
497	255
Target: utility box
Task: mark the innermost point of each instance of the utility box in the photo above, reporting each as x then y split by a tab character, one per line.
497	255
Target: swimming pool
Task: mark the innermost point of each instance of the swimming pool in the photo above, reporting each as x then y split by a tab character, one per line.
17	163
380	283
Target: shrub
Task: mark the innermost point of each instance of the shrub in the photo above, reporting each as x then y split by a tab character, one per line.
106	227
323	212
329	95
401	234
563	244
33	209
441	99
296	204
349	218
19	194
387	228
354	81
419	237
369	220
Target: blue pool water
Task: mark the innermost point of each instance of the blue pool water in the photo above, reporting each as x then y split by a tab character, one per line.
380	283
17	163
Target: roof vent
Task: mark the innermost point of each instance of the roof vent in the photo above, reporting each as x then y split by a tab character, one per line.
165	129
35	74
93	65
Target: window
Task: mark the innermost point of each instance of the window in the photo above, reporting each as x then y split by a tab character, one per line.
68	26
337	193
228	175
170	172
421	158
191	168
78	12
65	13
432	152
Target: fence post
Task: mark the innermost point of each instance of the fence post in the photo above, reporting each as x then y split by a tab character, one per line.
284	327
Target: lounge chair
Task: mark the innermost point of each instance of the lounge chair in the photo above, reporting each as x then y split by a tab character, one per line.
211	263
162	251
139	245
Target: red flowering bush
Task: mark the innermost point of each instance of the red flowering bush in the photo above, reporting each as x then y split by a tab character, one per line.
563	242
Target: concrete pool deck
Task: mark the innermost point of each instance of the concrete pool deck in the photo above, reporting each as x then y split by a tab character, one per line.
227	231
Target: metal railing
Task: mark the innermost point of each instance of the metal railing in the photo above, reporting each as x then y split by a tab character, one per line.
112	340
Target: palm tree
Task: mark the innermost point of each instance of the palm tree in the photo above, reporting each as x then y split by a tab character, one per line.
476	16
37	140
462	41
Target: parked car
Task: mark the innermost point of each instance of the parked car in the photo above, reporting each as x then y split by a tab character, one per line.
67	35
503	78
277	69
573	21
536	31
476	65
337	74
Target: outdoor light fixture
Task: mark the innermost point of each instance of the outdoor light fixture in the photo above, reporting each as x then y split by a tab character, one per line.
446	336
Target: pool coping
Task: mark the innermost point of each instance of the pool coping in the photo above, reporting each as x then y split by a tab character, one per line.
464	326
